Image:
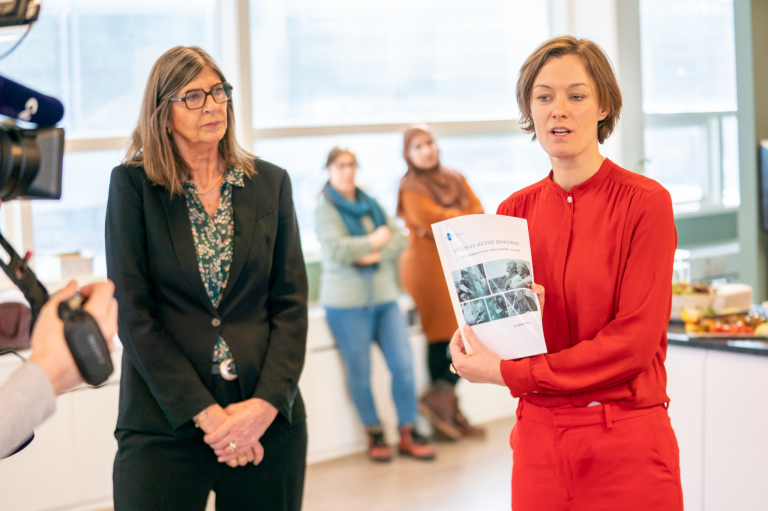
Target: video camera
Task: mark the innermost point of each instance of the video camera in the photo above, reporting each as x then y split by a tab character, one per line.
31	168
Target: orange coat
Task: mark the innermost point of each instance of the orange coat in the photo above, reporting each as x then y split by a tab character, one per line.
421	273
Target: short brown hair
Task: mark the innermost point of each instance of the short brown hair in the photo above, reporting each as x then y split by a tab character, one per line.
151	146
336	152
598	67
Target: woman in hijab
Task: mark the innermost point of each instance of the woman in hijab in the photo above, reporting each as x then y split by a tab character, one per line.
429	193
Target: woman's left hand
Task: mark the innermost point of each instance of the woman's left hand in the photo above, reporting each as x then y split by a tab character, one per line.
244	427
482	366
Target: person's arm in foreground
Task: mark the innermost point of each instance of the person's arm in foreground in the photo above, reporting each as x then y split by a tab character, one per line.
29	397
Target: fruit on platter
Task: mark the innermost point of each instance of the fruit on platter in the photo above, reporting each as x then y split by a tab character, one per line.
691	314
683	288
744	323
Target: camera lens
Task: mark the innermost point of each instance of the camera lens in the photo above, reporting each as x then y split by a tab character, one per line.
30	163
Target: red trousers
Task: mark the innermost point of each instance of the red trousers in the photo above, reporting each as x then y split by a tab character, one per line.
600	457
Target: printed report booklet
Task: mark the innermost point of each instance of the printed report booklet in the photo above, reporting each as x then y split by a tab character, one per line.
487	265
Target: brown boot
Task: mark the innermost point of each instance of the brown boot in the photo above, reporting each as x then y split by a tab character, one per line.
378	450
414	445
438	406
465	427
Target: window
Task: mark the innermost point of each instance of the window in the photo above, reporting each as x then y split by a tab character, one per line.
351	62
689	100
323	74
95	57
495	165
75	224
356	73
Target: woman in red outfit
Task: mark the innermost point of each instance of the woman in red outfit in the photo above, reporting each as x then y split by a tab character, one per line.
593	430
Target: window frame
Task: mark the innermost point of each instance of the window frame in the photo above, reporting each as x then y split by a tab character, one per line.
712	123
235	44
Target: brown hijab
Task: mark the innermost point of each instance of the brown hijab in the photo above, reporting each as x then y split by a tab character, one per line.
441	184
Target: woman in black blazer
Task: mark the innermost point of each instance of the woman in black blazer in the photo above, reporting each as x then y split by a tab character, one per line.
204	250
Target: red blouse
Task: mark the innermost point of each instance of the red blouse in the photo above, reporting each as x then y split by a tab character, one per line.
604	254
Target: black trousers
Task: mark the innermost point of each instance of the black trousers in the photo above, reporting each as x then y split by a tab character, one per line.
162	473
439	360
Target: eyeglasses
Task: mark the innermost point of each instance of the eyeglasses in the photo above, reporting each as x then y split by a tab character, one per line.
196	98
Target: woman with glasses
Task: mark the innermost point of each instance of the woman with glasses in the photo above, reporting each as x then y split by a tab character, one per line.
358	287
204	250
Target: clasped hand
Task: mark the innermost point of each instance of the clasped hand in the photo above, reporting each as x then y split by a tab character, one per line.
241	424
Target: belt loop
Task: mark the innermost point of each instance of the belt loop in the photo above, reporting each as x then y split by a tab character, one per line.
519	411
608	419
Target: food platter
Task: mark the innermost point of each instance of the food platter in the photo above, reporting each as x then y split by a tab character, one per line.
737	325
724	336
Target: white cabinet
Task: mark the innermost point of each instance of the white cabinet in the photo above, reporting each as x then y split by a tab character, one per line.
332	423
69	463
334	426
685	388
42	475
736	432
719	411
94	415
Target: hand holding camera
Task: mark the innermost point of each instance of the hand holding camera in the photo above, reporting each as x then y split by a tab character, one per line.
50	349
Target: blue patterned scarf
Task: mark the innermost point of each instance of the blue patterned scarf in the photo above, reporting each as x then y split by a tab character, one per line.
352	211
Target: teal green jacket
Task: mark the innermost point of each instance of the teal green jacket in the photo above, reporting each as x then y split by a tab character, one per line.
341	284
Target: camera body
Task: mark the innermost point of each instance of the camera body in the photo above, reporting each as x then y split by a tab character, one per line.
14	13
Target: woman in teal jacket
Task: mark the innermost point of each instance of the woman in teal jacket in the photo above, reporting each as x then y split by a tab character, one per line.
358	287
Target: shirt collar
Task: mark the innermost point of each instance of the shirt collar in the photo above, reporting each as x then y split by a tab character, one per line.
592	182
233	176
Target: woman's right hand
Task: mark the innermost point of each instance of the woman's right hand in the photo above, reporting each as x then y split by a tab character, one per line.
369	259
214	417
380	237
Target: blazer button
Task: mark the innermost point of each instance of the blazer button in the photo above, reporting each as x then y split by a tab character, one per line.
216	322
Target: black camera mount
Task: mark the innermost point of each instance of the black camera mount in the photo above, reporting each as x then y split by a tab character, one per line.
84	338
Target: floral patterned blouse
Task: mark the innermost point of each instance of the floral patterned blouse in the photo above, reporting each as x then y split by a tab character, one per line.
214	243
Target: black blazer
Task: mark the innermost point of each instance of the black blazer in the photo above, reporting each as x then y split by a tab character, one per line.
168	325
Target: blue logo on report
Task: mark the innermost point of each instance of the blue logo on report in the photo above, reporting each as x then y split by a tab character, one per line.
449	236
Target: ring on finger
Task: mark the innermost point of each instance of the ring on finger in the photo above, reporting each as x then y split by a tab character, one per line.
232	447
453	369
232	463
243	459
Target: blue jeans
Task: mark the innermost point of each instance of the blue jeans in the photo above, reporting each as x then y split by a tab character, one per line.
354	329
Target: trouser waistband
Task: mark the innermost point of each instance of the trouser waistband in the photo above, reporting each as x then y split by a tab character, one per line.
573	417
